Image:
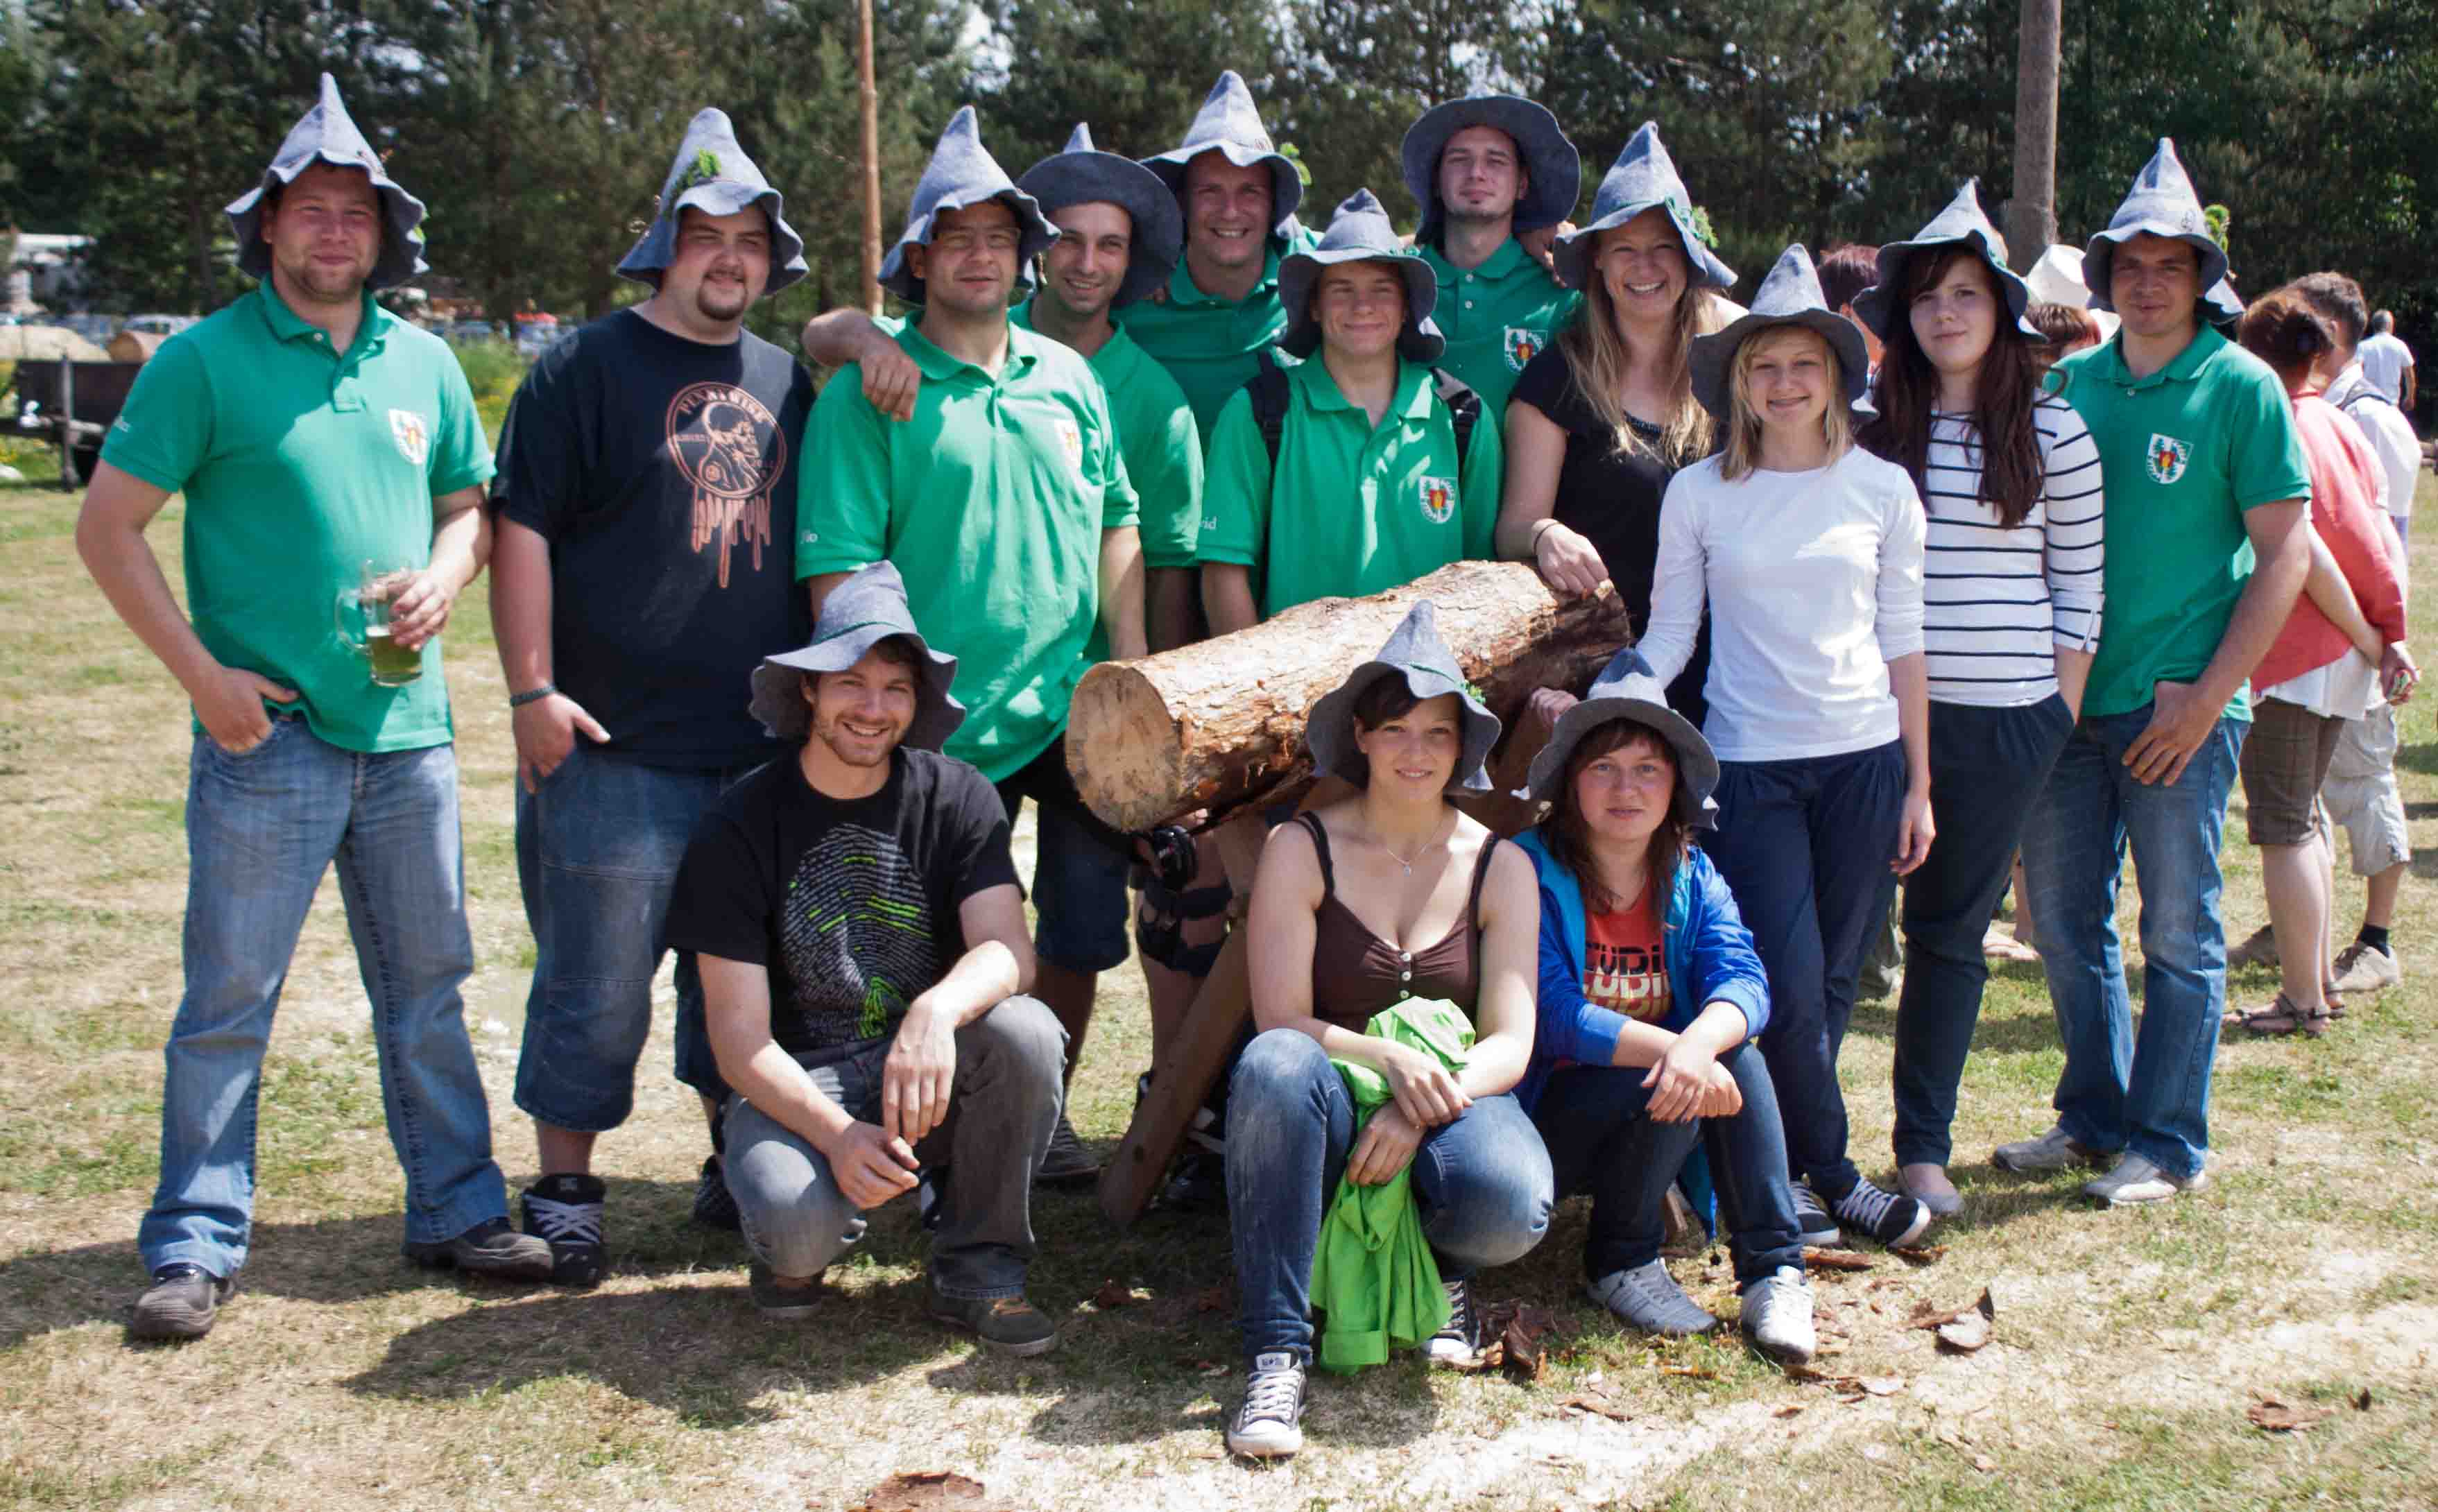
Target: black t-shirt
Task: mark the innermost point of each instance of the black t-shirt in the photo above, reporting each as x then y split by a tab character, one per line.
1612	499
851	905
662	472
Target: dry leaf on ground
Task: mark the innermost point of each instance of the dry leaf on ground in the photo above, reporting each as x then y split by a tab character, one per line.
1219	1298
1817	1259
1962	1330
1884	1386
1920	1253
1598	1405
2361	1404
1696	1372
921	1492
1114	1295
1789	1410
1517	1329
2278	1418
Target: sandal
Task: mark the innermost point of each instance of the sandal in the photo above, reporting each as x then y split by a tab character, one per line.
2335	999
2284	1016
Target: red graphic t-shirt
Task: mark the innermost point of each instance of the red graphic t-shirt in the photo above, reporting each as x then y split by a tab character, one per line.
1625	962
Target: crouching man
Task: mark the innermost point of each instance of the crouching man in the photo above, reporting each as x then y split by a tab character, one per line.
863	951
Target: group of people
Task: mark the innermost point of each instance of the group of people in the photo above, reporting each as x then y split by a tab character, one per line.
784	668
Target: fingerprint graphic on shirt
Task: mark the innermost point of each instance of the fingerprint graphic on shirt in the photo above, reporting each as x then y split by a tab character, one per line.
856	933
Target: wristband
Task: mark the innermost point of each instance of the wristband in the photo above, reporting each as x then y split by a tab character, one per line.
532	696
1540	528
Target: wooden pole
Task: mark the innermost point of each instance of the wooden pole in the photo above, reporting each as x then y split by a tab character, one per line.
871	92
2031	215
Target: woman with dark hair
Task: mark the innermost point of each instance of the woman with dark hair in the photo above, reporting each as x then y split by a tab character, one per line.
1651	997
1385	913
2009	483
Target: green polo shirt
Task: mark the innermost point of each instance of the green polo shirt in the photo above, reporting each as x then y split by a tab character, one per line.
1353	508
299	465
1496	317
1205	343
2182	453
1157	435
991	502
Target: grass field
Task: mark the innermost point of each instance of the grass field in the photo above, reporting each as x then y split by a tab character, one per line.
2129	1346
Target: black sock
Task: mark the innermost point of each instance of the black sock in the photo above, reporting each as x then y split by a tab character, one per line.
2375	938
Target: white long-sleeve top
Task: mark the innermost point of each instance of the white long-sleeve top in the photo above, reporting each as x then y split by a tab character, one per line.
1997	602
1813	583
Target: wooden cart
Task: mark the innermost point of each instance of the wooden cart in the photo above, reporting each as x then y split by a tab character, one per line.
72	404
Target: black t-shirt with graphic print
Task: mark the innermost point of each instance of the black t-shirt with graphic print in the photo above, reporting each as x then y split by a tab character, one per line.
850	904
662	472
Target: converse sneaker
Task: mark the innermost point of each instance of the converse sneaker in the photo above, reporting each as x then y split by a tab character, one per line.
2365	968
1010	1324
1778	1315
775	1301
1067	1162
1270	1423
490	1248
1648	1298
2135	1180
1893	1220
1813	1218
564	1211
715	1206
2054	1150
1458	1346
181	1303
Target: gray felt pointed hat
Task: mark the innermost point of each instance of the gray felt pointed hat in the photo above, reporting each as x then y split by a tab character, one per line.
961	174
2163	204
1229	125
1626	689
1962	223
1643	176
328	134
1360	231
1415	652
1788	296
711	173
859	613
1083	175
1551	164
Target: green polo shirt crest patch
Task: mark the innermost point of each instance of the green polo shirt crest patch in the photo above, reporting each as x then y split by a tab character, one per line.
1496	319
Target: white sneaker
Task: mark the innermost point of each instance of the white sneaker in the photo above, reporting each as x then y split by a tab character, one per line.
2136	1180
1270	1423
2361	968
1778	1315
2053	1151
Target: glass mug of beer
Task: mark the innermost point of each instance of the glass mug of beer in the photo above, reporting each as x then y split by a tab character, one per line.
362	613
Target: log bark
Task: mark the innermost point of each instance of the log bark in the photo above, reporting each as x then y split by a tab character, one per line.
1219	725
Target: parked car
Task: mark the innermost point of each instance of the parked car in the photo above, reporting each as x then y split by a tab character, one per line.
160	324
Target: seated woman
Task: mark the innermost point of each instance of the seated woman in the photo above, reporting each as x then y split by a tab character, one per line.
1651	997
1389	897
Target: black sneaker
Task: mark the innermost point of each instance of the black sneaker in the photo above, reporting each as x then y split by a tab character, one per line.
1066	1162
1892	1219
489	1248
181	1302
1813	1218
1198	1183
1009	1324
564	1211
932	1197
714	1207
775	1301
1458	1346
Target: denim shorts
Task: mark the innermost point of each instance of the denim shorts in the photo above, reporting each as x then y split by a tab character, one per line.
1079	869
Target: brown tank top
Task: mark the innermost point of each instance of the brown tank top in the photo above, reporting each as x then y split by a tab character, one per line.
1355	973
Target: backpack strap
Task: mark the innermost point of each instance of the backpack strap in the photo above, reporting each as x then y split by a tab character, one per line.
1268	389
1464	408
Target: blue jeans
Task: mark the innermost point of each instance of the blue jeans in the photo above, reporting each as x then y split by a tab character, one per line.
597	853
2150	1094
1011	1078
261	829
1986	768
1805	845
1482	1183
1603	1143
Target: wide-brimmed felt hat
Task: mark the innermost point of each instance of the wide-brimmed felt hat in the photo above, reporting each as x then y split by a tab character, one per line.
1082	175
2161	203
1553	168
859	613
1360	231
1788	296
1229	125
961	174
1626	689
1415	652
711	173
1643	176
1962	223
326	134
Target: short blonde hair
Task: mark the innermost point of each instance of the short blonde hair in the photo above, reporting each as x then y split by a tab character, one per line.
1741	454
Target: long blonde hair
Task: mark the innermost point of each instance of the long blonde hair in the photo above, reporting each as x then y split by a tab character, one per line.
1598	358
1741	454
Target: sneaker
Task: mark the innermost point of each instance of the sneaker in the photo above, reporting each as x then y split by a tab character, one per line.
1926	1183
564	1211
1778	1315
2135	1180
181	1303
772	1300
1066	1162
715	1206
1270	1424
2054	1150
1891	1218
1199	1184
489	1248
2259	948
1010	1324
2362	968
1813	1218
1648	1298
1458	1344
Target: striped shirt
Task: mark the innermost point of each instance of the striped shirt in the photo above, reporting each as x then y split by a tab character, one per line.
1995	602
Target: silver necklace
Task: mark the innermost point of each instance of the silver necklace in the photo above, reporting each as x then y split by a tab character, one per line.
1418	855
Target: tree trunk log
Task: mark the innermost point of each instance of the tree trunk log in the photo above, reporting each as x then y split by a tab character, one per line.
1220	725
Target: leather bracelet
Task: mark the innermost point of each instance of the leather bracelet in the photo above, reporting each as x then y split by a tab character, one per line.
532	696
1540	528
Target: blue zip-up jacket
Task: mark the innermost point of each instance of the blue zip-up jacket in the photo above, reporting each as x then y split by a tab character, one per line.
1710	958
